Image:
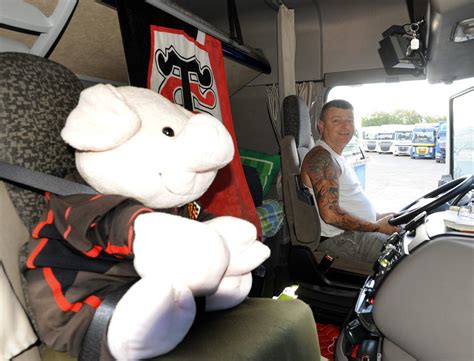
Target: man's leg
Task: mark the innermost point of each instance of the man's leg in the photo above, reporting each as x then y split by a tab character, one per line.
362	246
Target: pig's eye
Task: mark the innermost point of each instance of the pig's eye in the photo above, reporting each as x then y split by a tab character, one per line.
168	132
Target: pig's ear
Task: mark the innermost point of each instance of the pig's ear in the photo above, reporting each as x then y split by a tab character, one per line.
101	121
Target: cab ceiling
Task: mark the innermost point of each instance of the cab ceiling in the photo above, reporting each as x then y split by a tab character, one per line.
350	31
350	34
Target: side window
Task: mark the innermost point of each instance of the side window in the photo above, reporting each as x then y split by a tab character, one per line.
462	138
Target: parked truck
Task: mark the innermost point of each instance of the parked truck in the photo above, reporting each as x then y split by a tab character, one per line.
369	138
385	138
440	148
402	142
423	141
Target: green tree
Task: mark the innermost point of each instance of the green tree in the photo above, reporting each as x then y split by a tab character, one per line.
435	119
399	116
377	118
403	116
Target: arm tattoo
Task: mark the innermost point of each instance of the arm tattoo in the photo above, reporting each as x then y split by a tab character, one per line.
324	173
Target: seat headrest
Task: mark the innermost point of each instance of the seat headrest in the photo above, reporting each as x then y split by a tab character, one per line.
296	121
36	96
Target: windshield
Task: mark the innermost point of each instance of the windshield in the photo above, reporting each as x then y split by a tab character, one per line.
423	136
385	136
403	135
375	106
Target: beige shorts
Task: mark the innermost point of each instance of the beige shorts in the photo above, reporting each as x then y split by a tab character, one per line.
361	246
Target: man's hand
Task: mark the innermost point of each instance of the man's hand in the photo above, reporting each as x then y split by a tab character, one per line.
383	215
384	227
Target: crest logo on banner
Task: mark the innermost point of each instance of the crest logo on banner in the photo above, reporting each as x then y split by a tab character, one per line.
180	70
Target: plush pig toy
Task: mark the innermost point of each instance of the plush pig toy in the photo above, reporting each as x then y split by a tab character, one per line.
134	144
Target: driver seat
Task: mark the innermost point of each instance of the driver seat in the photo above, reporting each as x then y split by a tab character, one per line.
329	287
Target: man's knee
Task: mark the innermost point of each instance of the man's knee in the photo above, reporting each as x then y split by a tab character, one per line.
371	245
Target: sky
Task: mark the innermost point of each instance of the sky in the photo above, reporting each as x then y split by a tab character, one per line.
419	95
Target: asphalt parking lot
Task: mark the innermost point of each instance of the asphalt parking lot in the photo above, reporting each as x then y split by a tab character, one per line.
393	182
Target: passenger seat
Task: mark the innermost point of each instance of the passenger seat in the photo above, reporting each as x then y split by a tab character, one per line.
36	96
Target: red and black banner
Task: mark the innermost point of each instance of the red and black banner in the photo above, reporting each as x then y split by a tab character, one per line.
186	66
181	68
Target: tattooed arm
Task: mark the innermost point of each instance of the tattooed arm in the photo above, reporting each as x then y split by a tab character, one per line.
321	172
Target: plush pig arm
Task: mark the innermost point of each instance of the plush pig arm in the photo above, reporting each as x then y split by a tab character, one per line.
246	253
179	249
176	258
240	236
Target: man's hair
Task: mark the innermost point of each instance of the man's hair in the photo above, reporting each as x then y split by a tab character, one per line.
336	103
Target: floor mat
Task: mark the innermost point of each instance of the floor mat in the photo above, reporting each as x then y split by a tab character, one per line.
327	334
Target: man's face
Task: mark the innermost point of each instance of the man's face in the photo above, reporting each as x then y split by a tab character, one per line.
337	127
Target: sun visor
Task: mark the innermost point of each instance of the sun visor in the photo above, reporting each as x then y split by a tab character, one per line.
451	44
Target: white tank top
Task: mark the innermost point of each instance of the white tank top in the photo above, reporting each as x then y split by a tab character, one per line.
352	197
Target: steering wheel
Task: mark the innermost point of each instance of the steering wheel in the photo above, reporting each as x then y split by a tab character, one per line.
435	198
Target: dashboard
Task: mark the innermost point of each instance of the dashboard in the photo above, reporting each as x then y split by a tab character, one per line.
421	287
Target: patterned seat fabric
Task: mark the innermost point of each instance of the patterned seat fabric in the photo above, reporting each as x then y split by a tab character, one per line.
36	96
296	121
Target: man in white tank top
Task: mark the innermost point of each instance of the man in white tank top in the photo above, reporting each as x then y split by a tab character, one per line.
350	226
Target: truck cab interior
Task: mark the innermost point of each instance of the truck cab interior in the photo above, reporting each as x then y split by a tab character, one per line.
282	57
